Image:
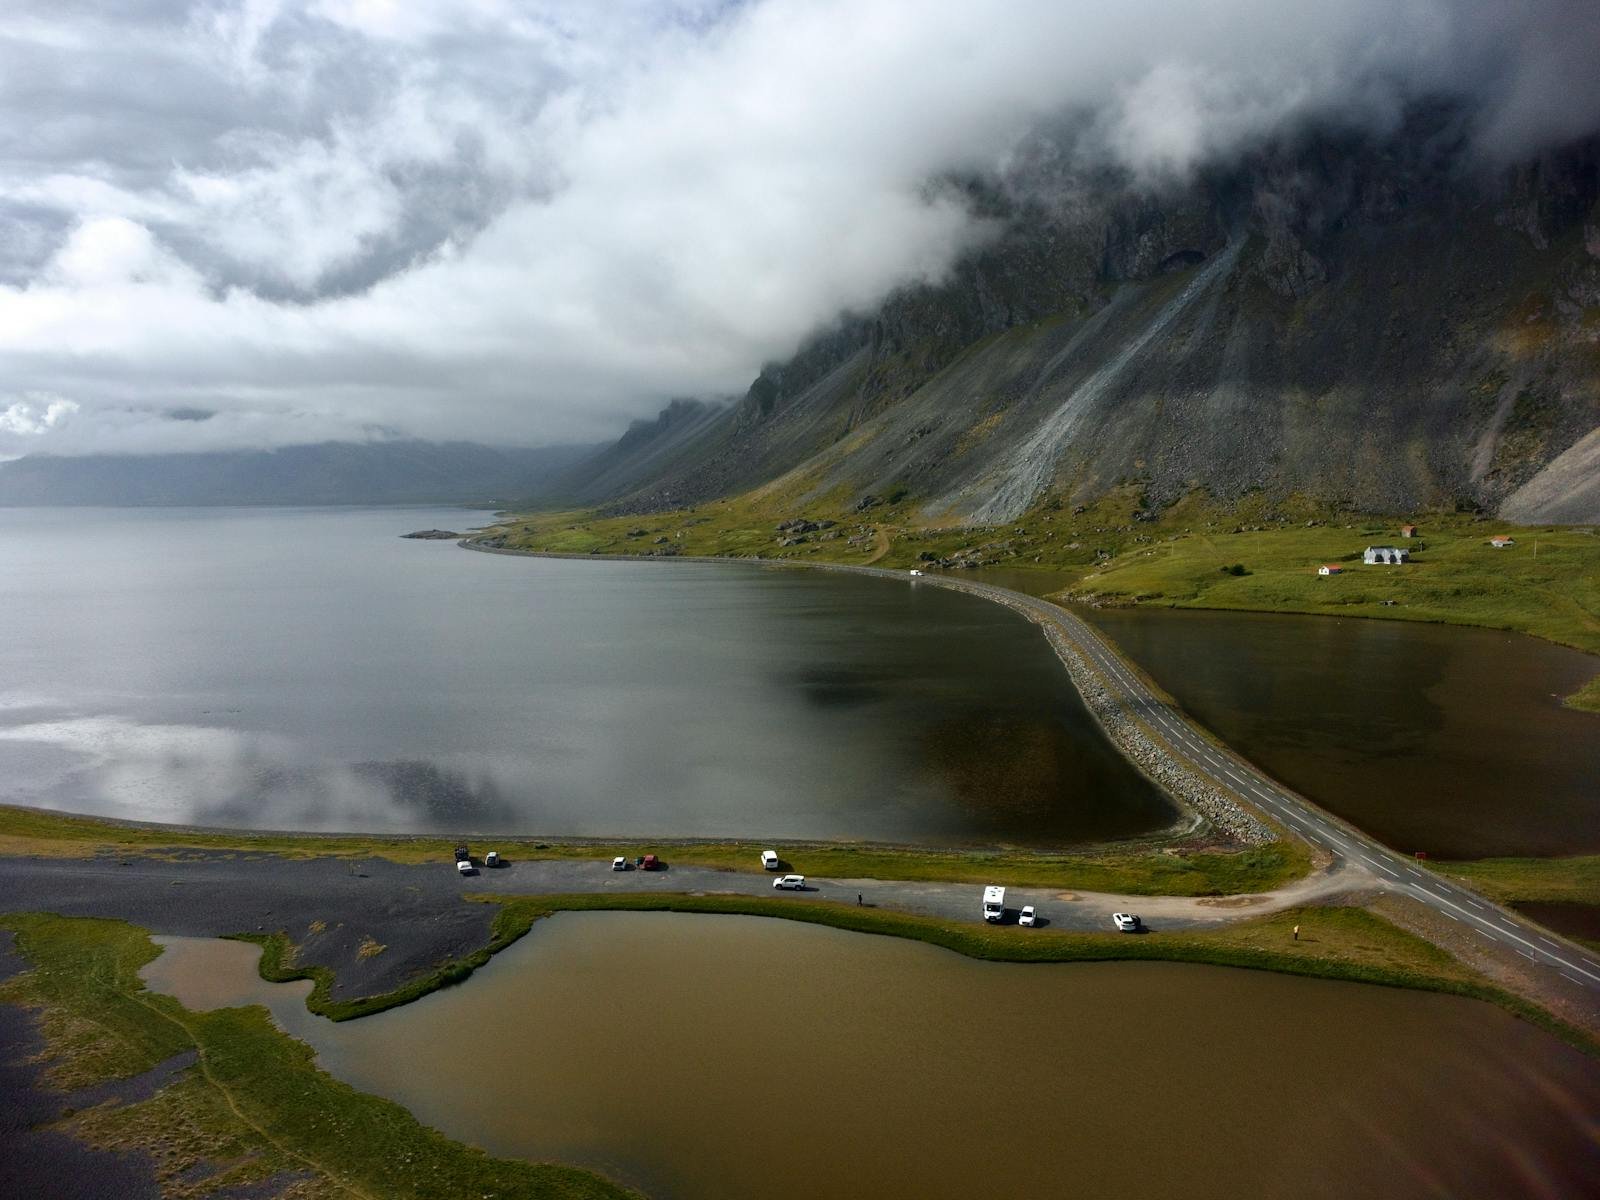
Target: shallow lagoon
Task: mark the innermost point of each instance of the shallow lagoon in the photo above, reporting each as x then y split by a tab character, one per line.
1438	738
713	1056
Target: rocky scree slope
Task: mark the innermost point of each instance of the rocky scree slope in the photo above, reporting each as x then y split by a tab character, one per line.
1378	324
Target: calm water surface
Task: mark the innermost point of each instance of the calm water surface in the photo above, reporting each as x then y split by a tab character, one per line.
309	669
1431	737
701	1057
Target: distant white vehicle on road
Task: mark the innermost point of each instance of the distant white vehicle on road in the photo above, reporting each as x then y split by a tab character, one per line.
464	867
915	572
492	859
1027	917
619	863
769	860
1126	922
792	883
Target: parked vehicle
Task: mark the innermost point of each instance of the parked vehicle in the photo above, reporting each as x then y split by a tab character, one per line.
1126	922
649	863
916	573
462	855
1027	917
790	883
769	860
994	904
464	866
492	859
619	863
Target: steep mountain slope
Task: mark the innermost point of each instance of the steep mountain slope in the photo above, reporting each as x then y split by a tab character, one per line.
328	473
1374	324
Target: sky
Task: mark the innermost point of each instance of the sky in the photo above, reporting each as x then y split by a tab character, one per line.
247	223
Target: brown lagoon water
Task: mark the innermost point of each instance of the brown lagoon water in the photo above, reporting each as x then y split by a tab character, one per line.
308	669
1436	738
702	1057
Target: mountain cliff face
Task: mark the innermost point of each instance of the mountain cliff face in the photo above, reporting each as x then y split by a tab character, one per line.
1376	324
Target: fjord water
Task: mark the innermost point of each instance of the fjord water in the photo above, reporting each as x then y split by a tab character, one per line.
1438	738
309	669
700	1057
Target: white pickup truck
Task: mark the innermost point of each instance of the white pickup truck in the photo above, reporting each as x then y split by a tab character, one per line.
994	904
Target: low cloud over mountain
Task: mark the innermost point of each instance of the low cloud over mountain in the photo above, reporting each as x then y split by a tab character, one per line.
358	219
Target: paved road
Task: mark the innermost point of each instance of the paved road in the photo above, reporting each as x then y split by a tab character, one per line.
1573	966
1566	968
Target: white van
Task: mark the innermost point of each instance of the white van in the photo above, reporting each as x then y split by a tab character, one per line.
994	904
769	860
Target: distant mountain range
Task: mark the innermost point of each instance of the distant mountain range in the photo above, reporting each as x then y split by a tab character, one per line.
1376	324
396	472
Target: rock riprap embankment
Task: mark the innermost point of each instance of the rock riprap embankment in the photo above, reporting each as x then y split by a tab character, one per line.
1191	791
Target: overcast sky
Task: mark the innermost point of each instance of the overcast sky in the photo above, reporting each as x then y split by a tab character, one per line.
260	222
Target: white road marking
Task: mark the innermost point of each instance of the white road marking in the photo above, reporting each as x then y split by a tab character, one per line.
1290	808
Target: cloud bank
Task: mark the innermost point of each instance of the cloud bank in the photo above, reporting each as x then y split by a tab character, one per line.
529	221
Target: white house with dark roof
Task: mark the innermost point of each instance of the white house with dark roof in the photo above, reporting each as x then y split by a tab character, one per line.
1385	556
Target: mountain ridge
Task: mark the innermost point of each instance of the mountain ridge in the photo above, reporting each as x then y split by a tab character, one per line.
1375	323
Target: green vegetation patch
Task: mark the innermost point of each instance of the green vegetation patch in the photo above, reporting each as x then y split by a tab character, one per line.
1155	870
1574	880
254	1105
1254	554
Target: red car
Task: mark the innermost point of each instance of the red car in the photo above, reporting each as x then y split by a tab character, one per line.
650	863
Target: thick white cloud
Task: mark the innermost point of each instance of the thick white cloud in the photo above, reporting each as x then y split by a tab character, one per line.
529	220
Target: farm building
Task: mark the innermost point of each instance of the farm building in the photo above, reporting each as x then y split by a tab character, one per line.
1385	556
1408	531
1330	569
1501	541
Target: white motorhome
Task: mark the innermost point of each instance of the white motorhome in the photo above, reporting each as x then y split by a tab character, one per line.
994	904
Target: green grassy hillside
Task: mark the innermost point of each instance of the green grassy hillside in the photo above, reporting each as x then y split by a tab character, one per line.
1251	556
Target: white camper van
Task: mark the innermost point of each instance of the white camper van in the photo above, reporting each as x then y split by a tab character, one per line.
994	904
